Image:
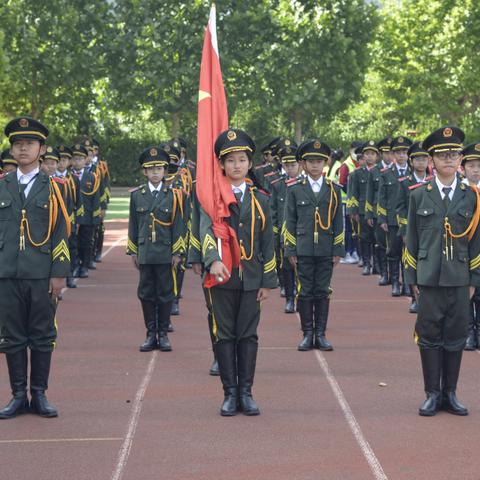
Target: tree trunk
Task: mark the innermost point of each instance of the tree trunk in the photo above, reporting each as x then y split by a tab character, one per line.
298	126
175	124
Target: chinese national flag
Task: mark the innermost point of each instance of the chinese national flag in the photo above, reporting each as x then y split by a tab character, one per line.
213	189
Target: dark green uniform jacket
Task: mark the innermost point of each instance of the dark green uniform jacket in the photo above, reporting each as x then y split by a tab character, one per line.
432	259
194	246
88	198
357	191
52	258
300	219
259	271
156	229
387	196
277	203
373	183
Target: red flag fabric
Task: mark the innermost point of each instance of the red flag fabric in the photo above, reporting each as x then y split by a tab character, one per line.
213	189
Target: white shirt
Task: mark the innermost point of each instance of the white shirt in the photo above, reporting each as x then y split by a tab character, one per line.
315	184
384	165
440	186
152	188
27	179
404	168
420	180
240	189
78	173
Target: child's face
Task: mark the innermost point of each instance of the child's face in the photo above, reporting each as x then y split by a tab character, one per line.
314	167
420	164
370	157
446	163
49	167
27	151
401	156
386	157
62	164
472	171
236	166
78	162
292	168
154	174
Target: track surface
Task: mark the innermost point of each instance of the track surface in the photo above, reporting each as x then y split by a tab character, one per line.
128	415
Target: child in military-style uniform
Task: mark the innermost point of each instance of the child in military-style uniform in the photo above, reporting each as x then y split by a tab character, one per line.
387	213
34	261
291	166
156	244
471	167
442	259
88	209
314	241
235	302
356	204
418	161
7	162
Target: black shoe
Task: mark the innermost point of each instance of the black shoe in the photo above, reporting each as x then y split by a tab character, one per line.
164	344
451	404
431	405
366	269
246	360
383	280
40	405
149	344
17	372
39	373
413	306
432	371
76	272
98	258
290	306
175	308
71	282
83	272
92	266
214	370
396	289
395	277
471	343
283	294
307	343
227	364
170	328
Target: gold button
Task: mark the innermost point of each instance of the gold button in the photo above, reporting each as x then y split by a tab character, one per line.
240	224
425	212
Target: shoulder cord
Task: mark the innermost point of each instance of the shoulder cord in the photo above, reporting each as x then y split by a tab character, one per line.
255	205
156	221
96	185
470	230
318	218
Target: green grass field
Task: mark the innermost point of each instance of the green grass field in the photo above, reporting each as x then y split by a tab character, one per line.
118	207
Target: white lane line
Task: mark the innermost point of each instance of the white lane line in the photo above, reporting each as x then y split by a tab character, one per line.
367	451
124	452
113	245
63	440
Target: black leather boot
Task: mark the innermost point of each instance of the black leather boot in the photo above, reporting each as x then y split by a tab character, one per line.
227	364
289	282
366	257
163	319
451	371
382	263
406	290
39	373
322	307
305	310
376	261
71	282
92	265
290	305
432	371
246	361
395	274
175	308
17	372
471	343
149	317
214	370
413	306
477	318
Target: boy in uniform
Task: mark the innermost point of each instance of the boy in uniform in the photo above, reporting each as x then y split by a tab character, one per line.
34	261
314	241
156	244
442	261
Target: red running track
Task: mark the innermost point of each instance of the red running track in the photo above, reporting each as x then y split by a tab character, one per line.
128	415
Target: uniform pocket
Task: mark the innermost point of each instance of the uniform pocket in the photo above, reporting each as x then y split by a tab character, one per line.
425	218
422	254
5	209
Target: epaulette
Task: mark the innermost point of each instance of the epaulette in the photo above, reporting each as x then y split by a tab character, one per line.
134	189
413	187
430	177
61	181
383	170
269	174
248	181
292	181
273	182
408	177
258	167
